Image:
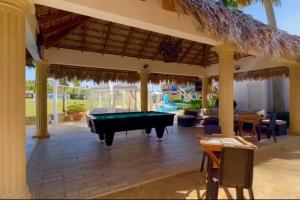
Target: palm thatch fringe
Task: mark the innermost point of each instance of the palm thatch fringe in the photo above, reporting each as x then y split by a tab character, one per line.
157	78
234	27
100	75
272	73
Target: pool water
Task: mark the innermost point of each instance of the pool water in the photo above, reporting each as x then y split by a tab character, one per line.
171	107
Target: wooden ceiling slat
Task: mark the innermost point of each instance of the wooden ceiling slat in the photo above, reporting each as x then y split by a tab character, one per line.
205	52
108	46
145	44
107	35
54	39
187	51
66	24
83	35
59	15
195	57
127	40
157	52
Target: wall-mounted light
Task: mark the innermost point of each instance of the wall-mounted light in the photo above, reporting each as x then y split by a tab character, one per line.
237	67
145	66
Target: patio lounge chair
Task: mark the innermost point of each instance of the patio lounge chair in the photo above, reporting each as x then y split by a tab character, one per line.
236	170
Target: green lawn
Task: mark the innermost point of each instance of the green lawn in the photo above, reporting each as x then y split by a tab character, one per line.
31	107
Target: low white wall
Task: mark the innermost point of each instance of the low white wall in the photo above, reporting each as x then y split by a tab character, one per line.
257	95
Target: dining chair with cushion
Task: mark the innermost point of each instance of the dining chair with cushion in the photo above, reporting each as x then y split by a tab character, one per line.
235	170
211	126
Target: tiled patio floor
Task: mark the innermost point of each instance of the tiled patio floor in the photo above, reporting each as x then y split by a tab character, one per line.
276	176
76	165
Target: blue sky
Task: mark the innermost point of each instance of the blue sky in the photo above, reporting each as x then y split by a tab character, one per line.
287	17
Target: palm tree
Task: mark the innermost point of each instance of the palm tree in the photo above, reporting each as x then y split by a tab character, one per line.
268	4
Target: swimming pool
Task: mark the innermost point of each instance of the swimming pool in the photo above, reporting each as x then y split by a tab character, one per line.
171	107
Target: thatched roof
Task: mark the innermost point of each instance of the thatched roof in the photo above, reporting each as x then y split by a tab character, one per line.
64	29
233	26
99	75
271	73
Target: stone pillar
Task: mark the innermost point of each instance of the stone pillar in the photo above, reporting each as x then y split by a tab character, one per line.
144	89
41	99
204	92
226	65
294	100
12	103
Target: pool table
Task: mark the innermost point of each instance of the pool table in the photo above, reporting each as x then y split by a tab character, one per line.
105	125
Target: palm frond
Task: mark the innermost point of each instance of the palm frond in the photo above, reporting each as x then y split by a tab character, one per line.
248	2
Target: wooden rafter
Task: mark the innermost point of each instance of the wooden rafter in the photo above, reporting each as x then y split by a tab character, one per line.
106	36
59	15
127	39
205	54
186	51
55	38
109	46
157	52
83	26
65	25
195	57
145	44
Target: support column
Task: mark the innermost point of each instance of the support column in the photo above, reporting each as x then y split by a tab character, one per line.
144	89
12	102
294	100
226	65
204	92
41	99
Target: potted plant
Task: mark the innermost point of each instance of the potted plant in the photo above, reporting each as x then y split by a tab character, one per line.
76	111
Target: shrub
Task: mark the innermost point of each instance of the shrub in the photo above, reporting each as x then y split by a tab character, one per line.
194	105
76	108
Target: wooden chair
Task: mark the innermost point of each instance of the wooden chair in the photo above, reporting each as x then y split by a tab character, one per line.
235	170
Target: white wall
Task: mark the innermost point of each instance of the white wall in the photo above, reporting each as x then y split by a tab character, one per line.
257	95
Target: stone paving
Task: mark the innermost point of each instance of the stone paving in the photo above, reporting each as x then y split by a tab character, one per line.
76	165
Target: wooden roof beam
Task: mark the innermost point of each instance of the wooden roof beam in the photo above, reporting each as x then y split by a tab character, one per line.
54	39
106	36
83	35
205	53
157	52
127	40
54	16
187	51
145	44
63	26
199	53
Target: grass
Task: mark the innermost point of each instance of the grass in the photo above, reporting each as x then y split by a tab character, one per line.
31	105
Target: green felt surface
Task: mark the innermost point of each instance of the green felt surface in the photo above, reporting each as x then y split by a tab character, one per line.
127	115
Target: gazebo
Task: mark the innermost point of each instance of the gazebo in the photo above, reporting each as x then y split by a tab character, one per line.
146	41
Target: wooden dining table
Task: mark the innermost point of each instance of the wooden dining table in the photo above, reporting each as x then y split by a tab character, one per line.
213	145
251	119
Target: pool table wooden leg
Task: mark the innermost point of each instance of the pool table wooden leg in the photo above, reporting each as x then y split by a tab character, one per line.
160	131
148	131
109	137
101	136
